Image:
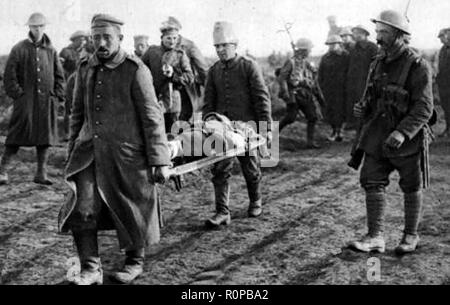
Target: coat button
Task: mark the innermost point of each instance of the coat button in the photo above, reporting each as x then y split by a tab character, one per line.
100	82
97	108
37	59
99	96
95	136
97	123
39	69
39	80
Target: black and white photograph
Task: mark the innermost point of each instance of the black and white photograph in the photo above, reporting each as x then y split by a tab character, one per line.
224	147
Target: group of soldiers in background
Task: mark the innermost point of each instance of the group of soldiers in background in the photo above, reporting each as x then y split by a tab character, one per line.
118	147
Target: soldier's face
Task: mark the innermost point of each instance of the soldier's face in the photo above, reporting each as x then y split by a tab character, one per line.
359	35
302	53
386	35
106	41
140	48
170	40
335	47
226	51
80	42
347	38
37	31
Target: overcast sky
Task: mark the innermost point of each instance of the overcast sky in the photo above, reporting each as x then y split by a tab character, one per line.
257	22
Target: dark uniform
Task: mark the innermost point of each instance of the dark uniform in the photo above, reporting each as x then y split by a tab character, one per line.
332	72
400	98
301	91
443	82
237	90
192	95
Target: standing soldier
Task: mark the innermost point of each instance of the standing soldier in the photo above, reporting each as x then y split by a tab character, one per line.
395	114
192	95
361	56
347	38
301	91
140	45
70	57
332	72
117	151
235	88
171	73
34	78
443	81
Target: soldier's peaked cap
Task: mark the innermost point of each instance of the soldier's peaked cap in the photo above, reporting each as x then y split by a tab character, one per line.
105	20
171	23
79	34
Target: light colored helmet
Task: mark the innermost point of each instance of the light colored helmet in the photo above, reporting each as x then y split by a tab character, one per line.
393	19
79	34
361	27
37	19
224	33
304	44
333	39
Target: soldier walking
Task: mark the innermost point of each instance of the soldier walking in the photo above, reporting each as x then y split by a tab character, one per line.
235	88
361	55
34	79
192	95
117	152
395	114
443	80
172	73
301	91
70	57
332	72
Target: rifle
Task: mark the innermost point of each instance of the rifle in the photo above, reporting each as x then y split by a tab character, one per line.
287	30
357	153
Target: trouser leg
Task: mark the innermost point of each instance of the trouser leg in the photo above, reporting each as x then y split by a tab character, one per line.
221	175
86	243
375	207
413	209
251	168
291	115
42	163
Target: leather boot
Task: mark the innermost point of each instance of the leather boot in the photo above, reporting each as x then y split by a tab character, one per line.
408	244
42	160
413	210
310	131
339	137
87	247
133	267
255	209
373	241
222	216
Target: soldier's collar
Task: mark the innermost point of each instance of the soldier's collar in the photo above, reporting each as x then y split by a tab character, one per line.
44	42
111	64
230	63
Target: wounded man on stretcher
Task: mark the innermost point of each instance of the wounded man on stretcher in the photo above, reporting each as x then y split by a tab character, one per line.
213	140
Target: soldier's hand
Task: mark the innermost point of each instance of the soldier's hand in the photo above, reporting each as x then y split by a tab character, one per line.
159	174
359	111
168	70
395	140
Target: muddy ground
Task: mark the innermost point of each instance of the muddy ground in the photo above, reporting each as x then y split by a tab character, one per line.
313	206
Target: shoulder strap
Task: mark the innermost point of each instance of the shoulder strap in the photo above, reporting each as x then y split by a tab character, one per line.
405	71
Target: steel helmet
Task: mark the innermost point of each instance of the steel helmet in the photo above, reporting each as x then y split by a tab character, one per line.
362	28
79	34
346	32
304	44
393	19
37	19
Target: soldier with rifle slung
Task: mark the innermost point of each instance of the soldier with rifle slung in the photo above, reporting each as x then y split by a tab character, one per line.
300	90
396	112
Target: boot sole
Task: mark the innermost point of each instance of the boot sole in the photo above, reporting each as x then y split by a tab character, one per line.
371	250
211	225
